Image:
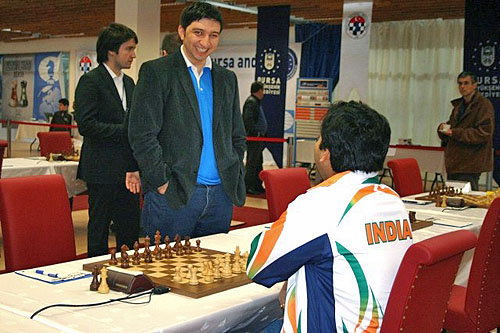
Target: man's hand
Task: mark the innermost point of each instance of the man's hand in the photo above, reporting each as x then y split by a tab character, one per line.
162	189
133	182
282	295
445	129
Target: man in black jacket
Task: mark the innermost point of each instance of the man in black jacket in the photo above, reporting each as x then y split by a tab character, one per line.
256	126
102	99
187	133
62	117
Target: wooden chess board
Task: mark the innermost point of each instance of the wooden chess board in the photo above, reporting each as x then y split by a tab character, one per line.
162	271
472	200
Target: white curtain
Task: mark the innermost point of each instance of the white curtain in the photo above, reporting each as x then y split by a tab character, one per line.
412	75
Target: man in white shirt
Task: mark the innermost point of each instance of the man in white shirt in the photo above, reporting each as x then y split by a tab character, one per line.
102	100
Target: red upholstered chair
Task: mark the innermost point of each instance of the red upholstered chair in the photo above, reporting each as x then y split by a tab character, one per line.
36	222
476	308
55	142
423	284
406	176
282	187
3	146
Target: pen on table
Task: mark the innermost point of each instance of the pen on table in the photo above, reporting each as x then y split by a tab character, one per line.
410	201
41	272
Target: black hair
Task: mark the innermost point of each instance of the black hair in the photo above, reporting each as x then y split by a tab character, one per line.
171	42
198	11
64	101
356	136
464	74
256	86
111	38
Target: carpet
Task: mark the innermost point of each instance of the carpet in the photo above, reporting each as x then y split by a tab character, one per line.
251	216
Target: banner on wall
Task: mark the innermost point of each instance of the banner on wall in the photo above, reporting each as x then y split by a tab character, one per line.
17	87
49	84
482	57
85	62
355	46
271	69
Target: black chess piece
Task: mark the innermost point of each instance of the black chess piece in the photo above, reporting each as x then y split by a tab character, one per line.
94	285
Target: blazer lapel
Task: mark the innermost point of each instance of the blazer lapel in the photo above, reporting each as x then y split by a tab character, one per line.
218	89
187	85
111	84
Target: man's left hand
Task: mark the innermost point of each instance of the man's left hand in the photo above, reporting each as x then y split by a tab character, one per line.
133	182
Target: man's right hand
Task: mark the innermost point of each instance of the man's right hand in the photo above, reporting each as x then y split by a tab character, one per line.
162	189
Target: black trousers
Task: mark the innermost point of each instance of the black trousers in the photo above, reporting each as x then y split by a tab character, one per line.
473	178
254	165
111	202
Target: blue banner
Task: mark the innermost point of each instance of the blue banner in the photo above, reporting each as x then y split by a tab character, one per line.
47	89
272	68
482	57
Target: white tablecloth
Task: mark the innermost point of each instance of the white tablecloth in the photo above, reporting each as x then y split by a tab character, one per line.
33	166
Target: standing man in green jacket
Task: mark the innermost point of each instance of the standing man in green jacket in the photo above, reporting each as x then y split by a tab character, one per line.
468	134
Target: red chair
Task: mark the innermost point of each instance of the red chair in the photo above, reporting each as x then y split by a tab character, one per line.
36	222
423	284
55	142
406	176
476	308
282	187
3	145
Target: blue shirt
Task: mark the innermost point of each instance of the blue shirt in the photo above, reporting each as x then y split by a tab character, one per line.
208	174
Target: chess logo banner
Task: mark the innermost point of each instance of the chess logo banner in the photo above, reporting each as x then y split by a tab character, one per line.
356	25
488	55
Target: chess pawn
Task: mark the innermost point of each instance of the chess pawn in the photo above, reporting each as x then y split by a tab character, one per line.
209	277
177	276
205	268
189	269
166	240
198	248
217	269
136	260
168	252
103	286
236	267
227	272
13	95
237	254
194	279
443	201
243	265
113	261
94	285
23	100
159	254
148	257
147	241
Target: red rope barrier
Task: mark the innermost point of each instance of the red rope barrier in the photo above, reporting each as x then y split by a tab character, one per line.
264	139
37	124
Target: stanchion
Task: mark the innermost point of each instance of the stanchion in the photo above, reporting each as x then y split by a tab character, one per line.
9	138
289	156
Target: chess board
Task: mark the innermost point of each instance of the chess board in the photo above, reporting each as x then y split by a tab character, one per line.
162	271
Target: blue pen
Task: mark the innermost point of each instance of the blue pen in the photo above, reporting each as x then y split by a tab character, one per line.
41	272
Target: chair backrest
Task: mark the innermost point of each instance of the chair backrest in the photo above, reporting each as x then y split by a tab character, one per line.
282	187
482	299
422	287
36	222
3	145
406	176
55	142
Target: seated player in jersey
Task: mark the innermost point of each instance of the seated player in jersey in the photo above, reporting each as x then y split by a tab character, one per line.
339	245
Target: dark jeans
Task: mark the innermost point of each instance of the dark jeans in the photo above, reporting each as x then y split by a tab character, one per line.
473	178
111	202
254	165
209	211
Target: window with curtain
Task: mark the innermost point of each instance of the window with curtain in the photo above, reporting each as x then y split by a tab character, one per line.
412	75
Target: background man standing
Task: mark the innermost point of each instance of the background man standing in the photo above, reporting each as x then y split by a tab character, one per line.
468	134
187	133
62	117
255	125
170	44
102	99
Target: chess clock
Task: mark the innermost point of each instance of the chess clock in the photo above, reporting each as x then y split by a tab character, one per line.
127	281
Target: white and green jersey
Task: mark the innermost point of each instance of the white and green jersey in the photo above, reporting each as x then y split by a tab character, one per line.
340	246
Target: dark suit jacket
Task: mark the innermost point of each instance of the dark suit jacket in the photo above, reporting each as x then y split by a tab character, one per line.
165	130
61	118
106	154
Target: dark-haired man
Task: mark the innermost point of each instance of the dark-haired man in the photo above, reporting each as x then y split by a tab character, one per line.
187	133
328	245
62	117
255	126
170	44
468	134
102	99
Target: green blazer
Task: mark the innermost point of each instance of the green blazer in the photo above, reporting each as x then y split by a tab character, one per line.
165	130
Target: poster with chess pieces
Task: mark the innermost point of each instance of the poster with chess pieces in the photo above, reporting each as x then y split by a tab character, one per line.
187	269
